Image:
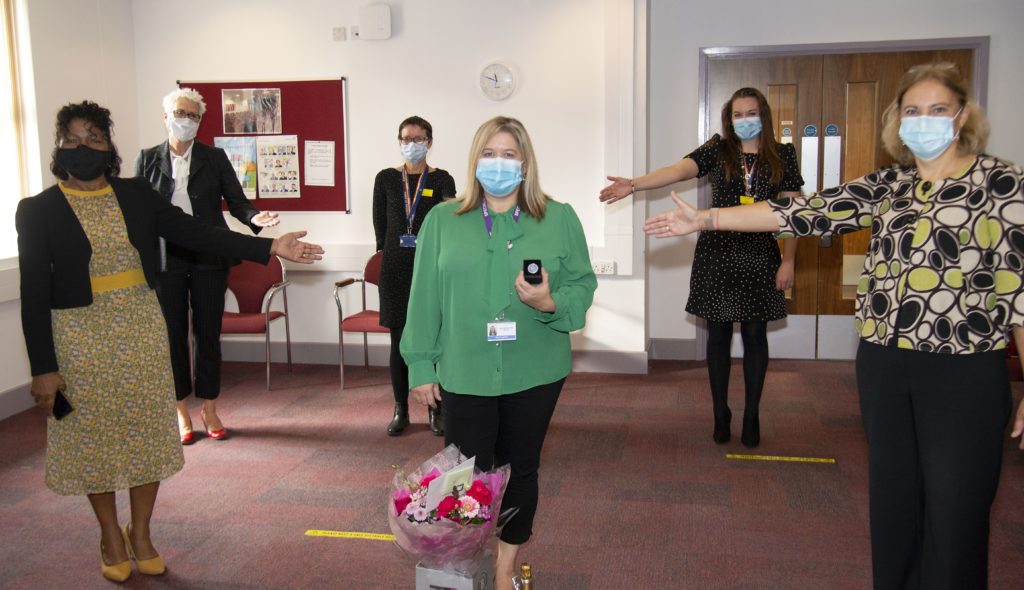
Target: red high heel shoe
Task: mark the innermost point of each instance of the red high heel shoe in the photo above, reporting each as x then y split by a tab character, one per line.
187	438
219	434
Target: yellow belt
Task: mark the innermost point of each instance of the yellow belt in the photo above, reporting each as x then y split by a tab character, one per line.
121	280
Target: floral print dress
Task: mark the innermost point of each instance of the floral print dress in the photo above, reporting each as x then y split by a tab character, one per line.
114	358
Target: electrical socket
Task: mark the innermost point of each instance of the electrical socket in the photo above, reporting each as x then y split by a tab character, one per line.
355	31
603	267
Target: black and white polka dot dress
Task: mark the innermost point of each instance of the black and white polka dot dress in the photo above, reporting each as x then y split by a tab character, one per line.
733	275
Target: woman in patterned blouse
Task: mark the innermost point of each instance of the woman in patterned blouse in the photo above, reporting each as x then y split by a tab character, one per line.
737	277
940	291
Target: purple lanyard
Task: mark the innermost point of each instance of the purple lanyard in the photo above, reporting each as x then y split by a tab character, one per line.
489	223
410	203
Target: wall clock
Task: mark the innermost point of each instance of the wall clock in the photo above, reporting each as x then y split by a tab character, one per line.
497	81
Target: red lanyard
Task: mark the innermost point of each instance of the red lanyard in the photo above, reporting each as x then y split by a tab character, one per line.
748	174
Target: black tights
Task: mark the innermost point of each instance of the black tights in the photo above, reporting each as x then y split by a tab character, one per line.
399	370
755	363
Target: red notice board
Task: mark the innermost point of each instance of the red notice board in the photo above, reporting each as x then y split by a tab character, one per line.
312	110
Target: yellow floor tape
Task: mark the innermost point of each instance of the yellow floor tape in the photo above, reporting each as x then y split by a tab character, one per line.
779	458
350	535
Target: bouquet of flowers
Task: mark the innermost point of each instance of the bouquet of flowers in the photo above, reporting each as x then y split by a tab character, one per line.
451	532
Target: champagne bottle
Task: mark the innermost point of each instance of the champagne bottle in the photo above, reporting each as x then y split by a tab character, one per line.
526	575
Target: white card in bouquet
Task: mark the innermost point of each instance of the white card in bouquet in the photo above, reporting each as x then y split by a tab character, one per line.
460	476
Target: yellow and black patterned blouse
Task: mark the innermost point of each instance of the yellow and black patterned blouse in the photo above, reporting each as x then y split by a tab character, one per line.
943	272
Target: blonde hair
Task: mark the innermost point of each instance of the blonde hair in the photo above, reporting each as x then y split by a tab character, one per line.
974	130
190	94
531	198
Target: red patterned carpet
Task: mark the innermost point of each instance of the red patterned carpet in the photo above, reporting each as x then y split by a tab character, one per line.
634	494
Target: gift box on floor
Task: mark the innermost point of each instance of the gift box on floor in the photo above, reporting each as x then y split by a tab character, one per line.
478	576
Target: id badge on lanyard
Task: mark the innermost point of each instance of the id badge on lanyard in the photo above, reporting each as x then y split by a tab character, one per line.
748	181
501	330
408	239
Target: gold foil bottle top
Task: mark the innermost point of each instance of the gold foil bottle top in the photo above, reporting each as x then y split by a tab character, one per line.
525	571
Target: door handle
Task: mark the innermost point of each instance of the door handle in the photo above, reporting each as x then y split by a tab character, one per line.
826	241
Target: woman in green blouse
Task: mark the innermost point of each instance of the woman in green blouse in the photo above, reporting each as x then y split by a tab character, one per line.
492	347
941	289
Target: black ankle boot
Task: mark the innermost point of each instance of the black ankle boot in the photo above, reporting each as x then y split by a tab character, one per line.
400	420
436	420
751	431
722	427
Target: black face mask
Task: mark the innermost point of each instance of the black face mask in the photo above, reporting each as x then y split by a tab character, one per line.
83	162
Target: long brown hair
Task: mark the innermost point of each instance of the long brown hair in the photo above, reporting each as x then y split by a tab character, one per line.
731	146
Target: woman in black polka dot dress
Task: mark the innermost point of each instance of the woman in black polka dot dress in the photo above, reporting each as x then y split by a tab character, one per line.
737	277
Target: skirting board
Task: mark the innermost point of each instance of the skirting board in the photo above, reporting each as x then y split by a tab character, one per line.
584	361
14	401
673	349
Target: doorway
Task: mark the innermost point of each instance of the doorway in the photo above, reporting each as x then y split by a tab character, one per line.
828	101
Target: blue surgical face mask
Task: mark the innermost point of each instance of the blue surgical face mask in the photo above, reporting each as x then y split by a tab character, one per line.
928	137
499	176
747	127
414	152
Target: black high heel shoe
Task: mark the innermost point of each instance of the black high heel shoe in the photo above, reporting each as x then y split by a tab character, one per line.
751	431
723	429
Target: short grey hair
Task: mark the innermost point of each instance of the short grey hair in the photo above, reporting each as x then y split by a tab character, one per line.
188	94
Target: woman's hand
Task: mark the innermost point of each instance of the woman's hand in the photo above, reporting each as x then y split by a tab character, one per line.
265	219
784	277
620	188
427	394
536	296
683	220
44	389
291	248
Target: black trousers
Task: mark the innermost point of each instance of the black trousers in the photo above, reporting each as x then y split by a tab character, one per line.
203	292
399	370
934	424
505	429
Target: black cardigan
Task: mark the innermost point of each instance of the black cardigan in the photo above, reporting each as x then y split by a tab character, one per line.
54	253
210	178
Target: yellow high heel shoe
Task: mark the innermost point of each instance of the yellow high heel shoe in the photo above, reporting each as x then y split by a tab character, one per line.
118	572
154	566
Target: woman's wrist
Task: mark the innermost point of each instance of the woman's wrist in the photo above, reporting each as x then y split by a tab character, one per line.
709	219
632	186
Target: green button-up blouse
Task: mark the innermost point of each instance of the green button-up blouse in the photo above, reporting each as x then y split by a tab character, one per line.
944	267
463	279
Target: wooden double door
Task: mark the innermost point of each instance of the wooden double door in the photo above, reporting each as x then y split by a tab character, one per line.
830	107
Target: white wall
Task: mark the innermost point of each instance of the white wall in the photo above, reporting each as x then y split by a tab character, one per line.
679	29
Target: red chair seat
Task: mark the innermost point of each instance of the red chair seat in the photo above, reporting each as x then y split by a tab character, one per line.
365	321
246	323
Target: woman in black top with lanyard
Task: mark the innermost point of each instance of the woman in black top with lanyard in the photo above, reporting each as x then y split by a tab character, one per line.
402	196
736	277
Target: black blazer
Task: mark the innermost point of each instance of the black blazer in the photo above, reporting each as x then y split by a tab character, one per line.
54	253
210	177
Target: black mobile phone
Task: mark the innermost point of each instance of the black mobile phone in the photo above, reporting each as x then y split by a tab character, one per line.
531	272
61	405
